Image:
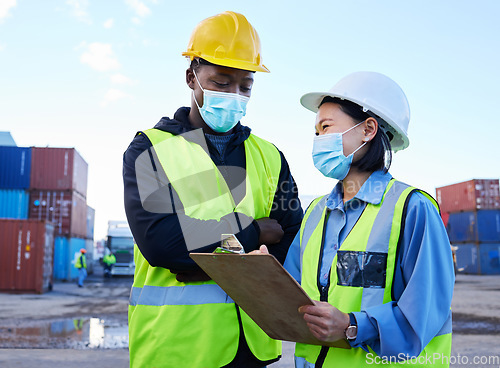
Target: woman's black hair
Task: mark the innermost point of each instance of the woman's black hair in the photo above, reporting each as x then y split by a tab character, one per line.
379	154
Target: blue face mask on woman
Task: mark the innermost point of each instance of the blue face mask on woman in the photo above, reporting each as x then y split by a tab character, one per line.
221	111
328	155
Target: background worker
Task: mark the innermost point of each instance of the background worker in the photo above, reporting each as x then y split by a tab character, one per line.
108	260
81	265
373	253
189	180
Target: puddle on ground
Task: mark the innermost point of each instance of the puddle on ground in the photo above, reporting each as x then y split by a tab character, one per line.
78	333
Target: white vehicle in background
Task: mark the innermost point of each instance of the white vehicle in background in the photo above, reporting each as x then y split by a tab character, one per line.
121	242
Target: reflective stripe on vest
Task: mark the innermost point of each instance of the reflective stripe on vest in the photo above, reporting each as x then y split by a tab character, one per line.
178	295
197	324
364	271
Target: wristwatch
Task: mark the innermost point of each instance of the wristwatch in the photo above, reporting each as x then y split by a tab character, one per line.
351	332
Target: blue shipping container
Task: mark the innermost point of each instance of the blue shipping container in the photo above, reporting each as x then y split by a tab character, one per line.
474	226
14	203
61	256
490	263
467	258
66	252
15	167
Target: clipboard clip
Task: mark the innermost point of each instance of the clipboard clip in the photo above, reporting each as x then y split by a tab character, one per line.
230	244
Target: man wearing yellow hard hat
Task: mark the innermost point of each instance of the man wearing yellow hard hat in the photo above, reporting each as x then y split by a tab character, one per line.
188	181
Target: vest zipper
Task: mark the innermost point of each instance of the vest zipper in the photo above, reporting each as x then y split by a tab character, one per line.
323	291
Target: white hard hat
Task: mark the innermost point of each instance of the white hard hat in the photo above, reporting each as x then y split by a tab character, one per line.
375	93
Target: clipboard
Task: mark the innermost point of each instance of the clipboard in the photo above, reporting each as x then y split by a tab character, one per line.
260	285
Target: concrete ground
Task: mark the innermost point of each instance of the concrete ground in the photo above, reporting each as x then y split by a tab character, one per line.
86	327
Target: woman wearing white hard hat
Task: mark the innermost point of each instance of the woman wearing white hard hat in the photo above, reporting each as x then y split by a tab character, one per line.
373	254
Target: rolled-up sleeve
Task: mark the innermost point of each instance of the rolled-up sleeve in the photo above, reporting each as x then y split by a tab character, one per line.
422	288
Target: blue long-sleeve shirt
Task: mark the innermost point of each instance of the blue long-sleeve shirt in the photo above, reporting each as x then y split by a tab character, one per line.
424	275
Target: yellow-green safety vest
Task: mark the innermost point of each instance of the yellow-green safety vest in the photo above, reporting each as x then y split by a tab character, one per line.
196	324
109	259
354	287
81	261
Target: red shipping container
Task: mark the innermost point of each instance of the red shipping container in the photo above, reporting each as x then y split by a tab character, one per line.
66	209
26	255
58	169
475	194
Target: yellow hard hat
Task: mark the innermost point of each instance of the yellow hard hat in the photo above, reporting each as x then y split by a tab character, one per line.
227	39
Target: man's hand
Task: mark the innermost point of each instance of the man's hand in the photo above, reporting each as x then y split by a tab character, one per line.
326	322
262	250
270	231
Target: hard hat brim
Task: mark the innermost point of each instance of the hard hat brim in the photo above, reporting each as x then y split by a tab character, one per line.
312	100
236	64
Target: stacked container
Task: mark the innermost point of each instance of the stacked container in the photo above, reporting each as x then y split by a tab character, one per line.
15	172
471	212
89	239
26	256
58	191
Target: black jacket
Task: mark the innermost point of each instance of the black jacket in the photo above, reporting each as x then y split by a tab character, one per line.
158	233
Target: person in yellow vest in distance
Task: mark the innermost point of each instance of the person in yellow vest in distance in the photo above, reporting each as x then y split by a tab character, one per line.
81	265
189	180
108	260
78	324
373	254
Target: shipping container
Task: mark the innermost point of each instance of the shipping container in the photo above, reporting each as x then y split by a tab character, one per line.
58	169
14	203
66	209
488	254
476	194
7	140
479	258
467	258
15	167
89	246
474	226
90	222
66	252
61	258
26	255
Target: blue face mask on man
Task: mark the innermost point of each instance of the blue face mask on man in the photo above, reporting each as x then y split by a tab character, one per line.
328	155
221	111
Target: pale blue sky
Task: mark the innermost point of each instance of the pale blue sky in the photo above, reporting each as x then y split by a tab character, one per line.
89	74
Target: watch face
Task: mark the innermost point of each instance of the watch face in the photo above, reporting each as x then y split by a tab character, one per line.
351	332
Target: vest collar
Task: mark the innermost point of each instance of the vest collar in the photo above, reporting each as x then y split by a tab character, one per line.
371	191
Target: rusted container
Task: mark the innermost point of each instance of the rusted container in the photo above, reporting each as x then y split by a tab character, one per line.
26	255
476	194
66	209
58	169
